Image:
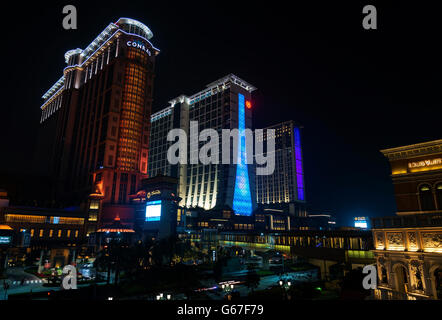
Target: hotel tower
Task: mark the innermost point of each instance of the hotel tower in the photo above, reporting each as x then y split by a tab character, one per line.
286	184
96	118
223	104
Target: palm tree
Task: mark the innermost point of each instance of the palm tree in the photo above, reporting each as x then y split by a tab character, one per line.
253	279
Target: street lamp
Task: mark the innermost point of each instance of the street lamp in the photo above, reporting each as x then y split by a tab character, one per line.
162	297
285	284
227	288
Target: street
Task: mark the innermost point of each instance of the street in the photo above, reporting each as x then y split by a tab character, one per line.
15	276
265	282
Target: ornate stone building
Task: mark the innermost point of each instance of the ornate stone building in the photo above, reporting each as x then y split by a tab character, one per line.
408	252
408	247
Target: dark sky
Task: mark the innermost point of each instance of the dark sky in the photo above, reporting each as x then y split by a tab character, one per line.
355	91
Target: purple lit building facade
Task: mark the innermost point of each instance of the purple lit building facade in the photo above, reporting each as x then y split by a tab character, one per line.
286	185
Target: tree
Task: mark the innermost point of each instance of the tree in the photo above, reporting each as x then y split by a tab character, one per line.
252	279
218	267
164	250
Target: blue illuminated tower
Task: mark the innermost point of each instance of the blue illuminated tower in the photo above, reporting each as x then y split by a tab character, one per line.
242	199
223	104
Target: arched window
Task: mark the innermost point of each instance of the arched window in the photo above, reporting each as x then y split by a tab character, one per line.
426	198
401	278
439	196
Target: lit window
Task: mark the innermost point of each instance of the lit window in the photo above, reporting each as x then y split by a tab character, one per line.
426	198
51	232
76	233
94	205
32	232
59	233
68	233
41	233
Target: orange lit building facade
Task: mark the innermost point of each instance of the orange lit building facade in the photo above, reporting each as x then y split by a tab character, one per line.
96	121
416	171
408	246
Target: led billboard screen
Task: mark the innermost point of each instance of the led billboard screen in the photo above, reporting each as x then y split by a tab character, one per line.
153	210
361	222
5	239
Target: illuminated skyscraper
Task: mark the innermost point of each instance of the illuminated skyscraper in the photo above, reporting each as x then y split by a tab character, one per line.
96	118
286	184
224	104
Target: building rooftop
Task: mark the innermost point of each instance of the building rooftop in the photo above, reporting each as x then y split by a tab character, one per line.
223	82
413	150
127	25
43	211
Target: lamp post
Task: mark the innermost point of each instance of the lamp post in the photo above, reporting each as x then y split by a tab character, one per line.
161	296
285	284
227	288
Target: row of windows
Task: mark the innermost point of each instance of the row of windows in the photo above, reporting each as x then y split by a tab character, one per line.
42	219
242	226
131	118
430	201
58	233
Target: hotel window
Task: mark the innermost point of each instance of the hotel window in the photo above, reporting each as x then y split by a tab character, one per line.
94	205
59	233
24	218
93	217
51	232
68	233
41	233
426	198
76	233
32	232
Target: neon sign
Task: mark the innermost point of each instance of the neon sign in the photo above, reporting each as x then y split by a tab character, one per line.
425	163
138	45
152	193
5	240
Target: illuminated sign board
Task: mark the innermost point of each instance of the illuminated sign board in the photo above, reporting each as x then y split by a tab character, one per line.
5	239
153	211
361	222
138	45
152	193
424	164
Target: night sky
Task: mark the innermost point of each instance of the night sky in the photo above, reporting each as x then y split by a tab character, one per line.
354	91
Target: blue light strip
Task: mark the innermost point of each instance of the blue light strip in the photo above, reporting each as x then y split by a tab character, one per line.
242	199
298	160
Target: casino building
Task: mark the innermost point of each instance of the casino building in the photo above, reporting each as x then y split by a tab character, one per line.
285	187
408	246
223	104
95	121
